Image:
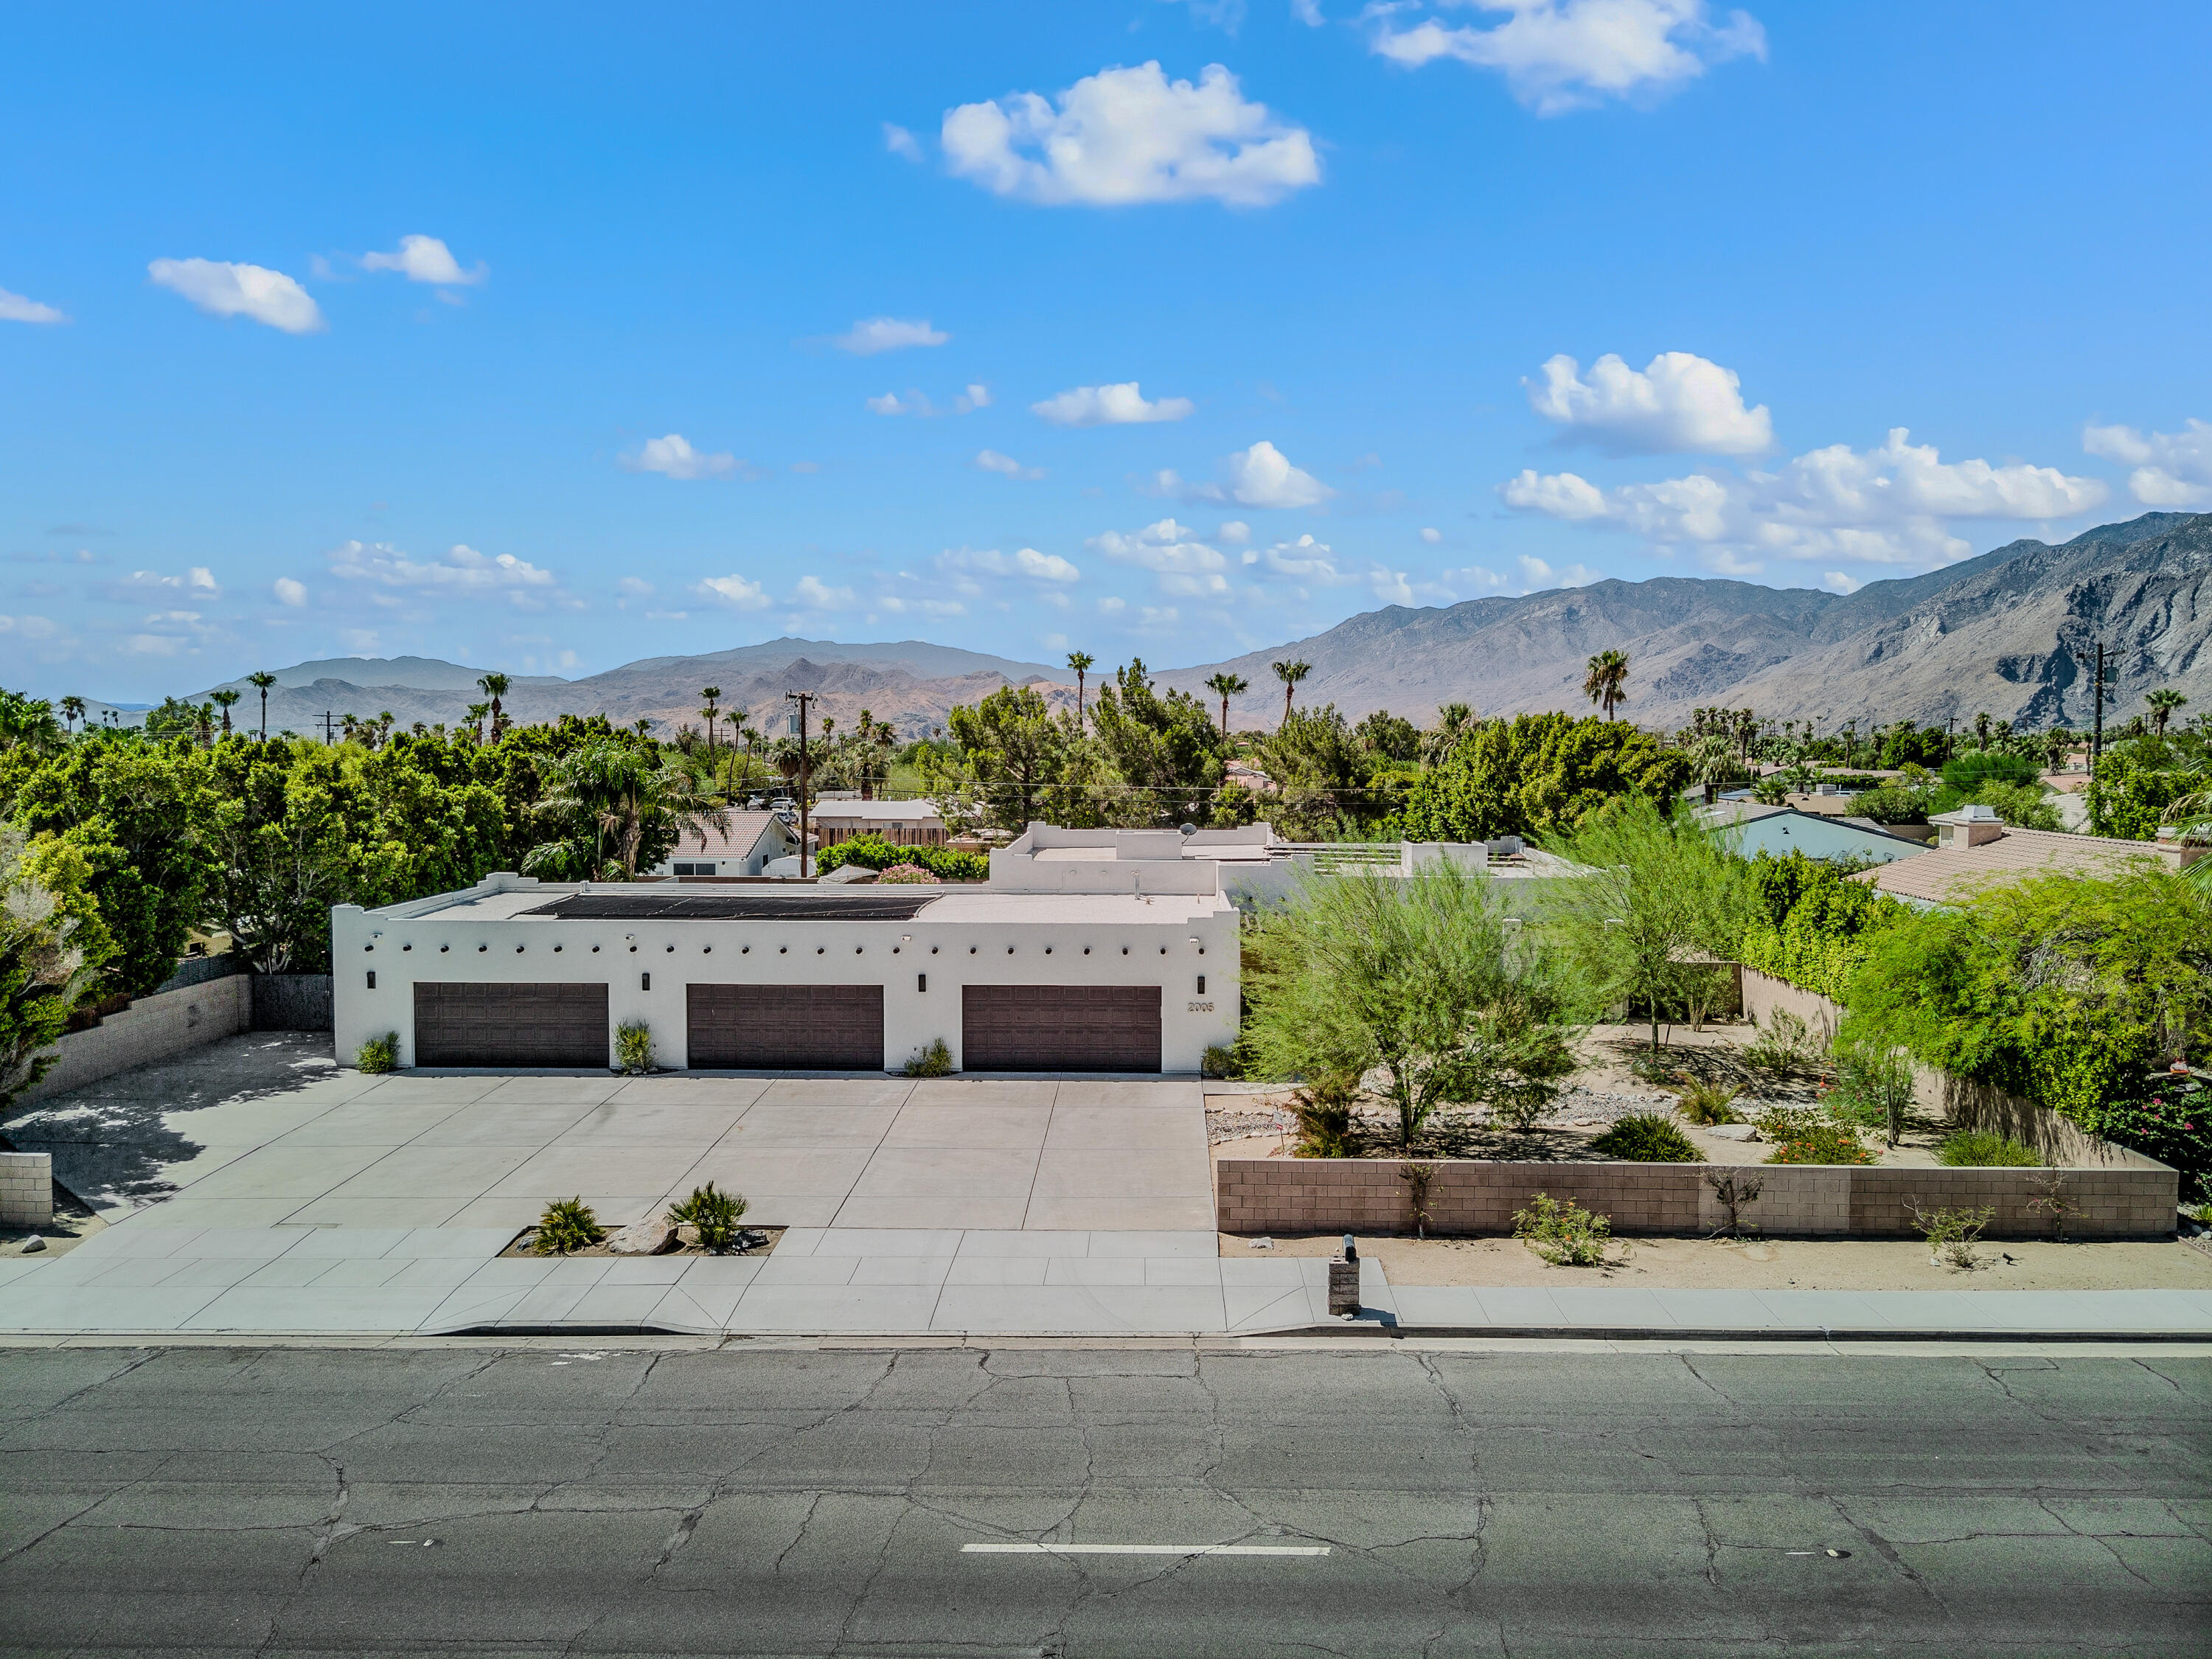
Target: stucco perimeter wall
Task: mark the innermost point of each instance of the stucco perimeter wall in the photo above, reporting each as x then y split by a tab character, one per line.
151	1028
1958	1100
1476	1196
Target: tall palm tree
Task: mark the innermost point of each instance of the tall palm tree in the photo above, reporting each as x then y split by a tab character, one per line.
2162	702
493	686
1226	686
477	712
706	713
261	680
203	725
1607	682
617	795
1290	673
73	711
1981	724
1080	662
223	700
349	723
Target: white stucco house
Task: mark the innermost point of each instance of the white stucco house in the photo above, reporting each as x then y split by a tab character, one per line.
901	822
744	848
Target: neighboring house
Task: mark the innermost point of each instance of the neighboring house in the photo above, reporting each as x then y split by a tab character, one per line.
742	849
1973	845
1782	831
901	822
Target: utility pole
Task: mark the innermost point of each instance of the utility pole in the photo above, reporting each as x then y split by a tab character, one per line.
802	698
327	727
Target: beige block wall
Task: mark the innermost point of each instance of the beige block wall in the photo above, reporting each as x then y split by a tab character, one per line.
27	1189
1470	1196
151	1028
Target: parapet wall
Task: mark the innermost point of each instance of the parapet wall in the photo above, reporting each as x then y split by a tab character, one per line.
1471	1196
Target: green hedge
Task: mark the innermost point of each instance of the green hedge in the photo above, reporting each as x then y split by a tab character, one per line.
874	852
1819	925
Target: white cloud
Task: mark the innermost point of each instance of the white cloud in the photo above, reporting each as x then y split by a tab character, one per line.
733	591
29	628
426	259
991	461
1125	136
2172	469
1120	405
903	607
1836	581
1890	505
887	405
1263	475
899	142
1681	404
974	398
290	593
673	457
222	289
816	595
16	308
1234	531
1159	615
1025	561
1308	12
1529	576
1303	560
1182	564
634	587
1431	535
461	571
1560	55
199	581
871	335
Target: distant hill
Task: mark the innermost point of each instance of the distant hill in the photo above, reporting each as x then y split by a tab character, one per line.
1997	633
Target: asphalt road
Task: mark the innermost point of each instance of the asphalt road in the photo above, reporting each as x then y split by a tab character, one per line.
293	1501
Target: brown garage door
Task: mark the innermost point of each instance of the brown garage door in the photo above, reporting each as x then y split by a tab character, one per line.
1060	1028
511	1025
786	1028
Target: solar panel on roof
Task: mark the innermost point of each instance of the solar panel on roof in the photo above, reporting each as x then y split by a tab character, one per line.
867	905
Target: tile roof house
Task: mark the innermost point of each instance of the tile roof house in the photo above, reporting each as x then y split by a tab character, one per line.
743	849
1973	845
901	822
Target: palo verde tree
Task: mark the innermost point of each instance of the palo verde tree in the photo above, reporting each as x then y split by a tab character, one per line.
1426	978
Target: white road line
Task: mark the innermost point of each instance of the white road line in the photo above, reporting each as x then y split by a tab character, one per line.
1143	1549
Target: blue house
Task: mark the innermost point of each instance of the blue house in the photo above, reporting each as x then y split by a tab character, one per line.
1782	831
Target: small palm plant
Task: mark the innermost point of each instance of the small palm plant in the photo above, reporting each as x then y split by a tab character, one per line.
713	1213
567	1226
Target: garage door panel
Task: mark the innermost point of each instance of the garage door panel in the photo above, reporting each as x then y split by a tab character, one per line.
777	1027
1060	1028
547	1024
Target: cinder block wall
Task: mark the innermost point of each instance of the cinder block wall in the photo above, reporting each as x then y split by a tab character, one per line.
151	1028
27	1189
1469	1196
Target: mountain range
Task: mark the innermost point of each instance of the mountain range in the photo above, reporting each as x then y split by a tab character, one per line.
2002	633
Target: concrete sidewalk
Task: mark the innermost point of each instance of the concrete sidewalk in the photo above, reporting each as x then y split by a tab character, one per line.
910	1282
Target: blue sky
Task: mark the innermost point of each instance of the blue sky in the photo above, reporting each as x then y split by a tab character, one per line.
551	337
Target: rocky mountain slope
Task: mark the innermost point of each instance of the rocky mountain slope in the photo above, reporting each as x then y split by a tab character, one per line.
1998	632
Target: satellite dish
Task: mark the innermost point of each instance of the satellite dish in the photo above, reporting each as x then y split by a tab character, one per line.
1190	829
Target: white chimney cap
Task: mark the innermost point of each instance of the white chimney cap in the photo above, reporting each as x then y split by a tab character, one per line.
1975	813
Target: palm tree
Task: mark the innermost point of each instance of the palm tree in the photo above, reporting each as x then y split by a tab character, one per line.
1607	682
1982	723
477	712
1080	662
2161	702
223	700
349	723
711	708
203	725
1290	673
618	795
262	679
73	711
493	686
1453	722
1226	686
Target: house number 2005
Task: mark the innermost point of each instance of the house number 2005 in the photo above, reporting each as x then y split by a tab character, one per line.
1201	1007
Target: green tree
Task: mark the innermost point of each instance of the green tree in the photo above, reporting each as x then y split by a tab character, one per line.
1162	751
1225	686
1016	751
494	687
261	680
223	697
2163	702
1289	671
617	807
1385	734
44	969
1539	775
1321	767
1655	902
1080	661
1425	977
1607	682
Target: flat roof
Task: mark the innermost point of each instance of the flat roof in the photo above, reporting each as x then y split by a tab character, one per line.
895	903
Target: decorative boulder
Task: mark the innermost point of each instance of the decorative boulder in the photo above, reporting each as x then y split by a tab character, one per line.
655	1236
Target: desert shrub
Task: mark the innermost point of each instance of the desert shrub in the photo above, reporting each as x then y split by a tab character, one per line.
1891	804
908	875
714	1212
1323	1110
1219	1060
378	1053
933	1061
1648	1138
1565	1235
634	1048
1783	1048
1953	1234
567	1225
1709	1102
1977	1149
1873	1088
2174	1126
874	852
1808	1137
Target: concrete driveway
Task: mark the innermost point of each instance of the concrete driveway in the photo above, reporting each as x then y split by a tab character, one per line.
266	1131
